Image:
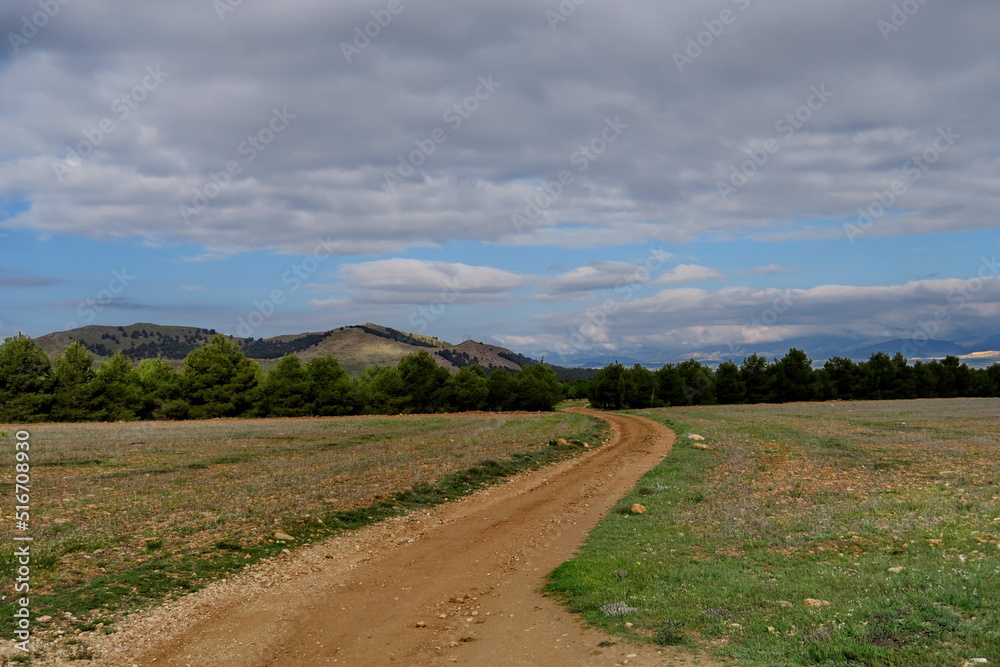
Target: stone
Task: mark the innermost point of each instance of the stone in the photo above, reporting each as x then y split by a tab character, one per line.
701	446
421	624
283	537
896	570
562	442
695	436
44	619
638	509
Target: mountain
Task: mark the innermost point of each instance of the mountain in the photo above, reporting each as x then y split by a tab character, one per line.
928	349
356	347
988	344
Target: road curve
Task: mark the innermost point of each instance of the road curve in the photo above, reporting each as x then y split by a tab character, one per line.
456	585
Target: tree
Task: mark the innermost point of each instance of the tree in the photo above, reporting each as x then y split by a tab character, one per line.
25	381
640	388
794	380
425	381
729	386
118	391
161	386
218	380
469	388
285	390
670	385
879	374
73	393
698	382
845	376
537	388
610	388
383	392
925	379
500	387
759	381
331	390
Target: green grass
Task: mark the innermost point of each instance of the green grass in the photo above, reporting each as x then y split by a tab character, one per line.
151	511
800	502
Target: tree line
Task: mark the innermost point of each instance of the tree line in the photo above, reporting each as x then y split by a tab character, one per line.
219	380
791	378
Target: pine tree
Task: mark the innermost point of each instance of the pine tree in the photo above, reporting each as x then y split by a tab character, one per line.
118	391
25	381
218	380
73	390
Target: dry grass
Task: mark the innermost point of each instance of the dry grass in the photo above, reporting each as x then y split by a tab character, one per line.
140	497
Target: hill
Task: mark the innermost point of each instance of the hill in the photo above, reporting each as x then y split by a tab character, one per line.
356	347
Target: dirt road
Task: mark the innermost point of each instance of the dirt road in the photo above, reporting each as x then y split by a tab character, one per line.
457	585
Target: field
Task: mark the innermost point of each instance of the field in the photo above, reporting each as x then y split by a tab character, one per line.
131	513
809	534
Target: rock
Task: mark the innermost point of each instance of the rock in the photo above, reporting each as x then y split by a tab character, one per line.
812	602
975	661
695	436
44	619
562	442
701	446
638	509
896	570
421	624
283	537
617	609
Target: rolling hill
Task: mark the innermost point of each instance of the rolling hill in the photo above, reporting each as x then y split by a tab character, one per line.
356	347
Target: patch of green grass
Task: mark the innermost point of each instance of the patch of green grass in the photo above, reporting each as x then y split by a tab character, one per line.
891	532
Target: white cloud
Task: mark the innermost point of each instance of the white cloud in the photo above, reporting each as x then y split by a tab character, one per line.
688	273
324	174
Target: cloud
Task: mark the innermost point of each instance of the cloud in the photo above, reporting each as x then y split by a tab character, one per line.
686	319
410	282
192	288
15	281
688	273
354	122
769	270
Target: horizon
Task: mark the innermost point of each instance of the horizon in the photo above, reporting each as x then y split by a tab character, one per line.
567	180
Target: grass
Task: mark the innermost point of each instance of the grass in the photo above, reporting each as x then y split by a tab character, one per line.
885	516
125	515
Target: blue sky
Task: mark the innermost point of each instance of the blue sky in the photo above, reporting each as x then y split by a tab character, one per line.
670	180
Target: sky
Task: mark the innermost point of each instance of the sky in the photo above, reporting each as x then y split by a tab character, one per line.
569	178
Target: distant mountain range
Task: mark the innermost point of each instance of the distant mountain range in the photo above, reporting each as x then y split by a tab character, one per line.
818	348
360	346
